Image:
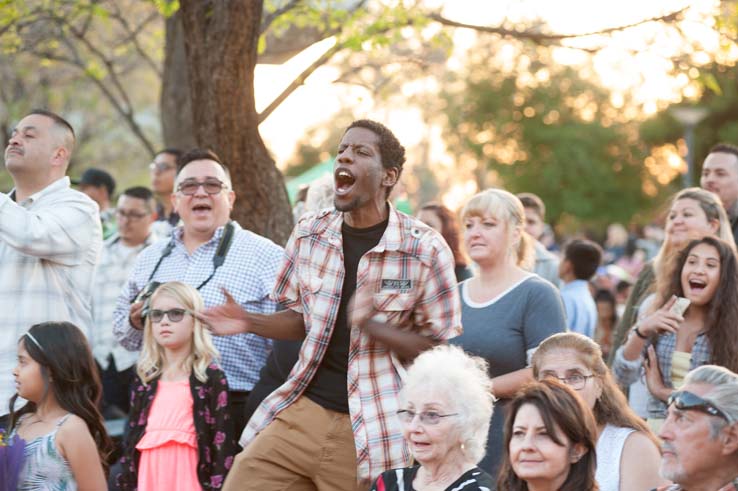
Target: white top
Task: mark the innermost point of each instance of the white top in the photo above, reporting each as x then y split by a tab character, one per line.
609	450
49	245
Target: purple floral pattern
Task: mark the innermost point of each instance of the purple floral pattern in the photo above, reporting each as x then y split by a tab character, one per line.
216	444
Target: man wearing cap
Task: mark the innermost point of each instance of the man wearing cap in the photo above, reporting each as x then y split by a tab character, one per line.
700	434
100	186
50	238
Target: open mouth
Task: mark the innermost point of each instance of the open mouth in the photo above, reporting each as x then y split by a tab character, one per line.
697	285
201	208
344	181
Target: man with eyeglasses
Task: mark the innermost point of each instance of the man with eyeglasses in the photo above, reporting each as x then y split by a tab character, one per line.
700	434
135	214
210	252
50	239
163	171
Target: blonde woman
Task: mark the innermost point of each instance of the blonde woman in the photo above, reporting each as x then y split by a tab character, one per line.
180	434
506	310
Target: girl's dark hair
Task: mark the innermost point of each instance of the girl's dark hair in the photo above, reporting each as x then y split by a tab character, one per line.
604	295
69	371
449	230
562	411
722	310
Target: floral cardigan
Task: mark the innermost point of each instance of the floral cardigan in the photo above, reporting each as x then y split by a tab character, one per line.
216	445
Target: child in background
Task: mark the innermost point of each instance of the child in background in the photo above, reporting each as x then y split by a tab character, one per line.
581	260
180	434
66	443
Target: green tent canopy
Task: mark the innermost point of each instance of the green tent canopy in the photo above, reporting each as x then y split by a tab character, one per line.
318	170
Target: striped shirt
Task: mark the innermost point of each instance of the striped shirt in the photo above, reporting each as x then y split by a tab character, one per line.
408	278
49	246
248	274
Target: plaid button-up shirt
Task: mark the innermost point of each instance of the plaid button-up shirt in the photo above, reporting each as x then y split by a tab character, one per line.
49	245
248	274
409	277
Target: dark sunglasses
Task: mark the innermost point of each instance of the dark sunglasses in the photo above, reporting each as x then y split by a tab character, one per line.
684	400
175	315
211	186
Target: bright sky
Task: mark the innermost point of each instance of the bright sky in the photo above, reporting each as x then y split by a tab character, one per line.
644	74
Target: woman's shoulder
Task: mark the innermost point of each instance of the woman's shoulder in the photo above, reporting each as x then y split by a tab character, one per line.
474	479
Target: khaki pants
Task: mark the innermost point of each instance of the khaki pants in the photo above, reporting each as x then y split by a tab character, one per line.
306	448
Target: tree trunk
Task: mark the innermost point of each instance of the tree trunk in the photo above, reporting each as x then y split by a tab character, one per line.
175	106
221	38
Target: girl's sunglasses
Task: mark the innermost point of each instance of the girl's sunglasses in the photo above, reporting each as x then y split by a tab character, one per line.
175	315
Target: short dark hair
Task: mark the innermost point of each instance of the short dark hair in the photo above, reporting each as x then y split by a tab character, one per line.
724	148
58	120
585	257
390	149
142	193
171	151
200	154
533	202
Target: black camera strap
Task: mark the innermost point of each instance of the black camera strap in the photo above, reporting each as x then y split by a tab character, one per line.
220	253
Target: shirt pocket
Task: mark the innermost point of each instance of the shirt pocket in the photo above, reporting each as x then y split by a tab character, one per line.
393	308
309	290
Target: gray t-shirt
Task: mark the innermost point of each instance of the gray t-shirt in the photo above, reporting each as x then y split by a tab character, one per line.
502	331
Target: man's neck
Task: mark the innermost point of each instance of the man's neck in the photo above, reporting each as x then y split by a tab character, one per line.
367	216
715	481
166	203
132	243
23	190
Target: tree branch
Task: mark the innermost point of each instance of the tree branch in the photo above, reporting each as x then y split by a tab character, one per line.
270	17
298	81
132	37
540	37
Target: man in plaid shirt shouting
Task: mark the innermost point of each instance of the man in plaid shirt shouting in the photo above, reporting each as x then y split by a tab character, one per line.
368	288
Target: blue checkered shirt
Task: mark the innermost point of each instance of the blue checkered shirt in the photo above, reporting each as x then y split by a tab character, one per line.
248	273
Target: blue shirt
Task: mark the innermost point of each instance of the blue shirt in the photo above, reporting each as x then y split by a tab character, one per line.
248	273
581	310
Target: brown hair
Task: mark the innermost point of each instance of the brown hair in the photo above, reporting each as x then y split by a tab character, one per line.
722	309
449	230
562	411
612	406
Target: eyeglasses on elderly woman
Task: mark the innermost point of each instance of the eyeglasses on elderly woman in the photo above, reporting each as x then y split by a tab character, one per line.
426	417
685	400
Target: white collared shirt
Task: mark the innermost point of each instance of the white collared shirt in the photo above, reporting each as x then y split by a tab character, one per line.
49	246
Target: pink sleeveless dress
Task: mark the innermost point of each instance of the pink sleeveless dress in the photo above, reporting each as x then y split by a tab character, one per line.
169	446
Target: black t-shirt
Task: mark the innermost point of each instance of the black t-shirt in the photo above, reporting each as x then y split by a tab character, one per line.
328	387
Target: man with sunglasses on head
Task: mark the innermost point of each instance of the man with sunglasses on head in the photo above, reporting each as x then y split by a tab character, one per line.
700	434
210	252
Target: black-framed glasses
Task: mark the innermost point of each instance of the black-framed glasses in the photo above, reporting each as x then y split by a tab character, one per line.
188	187
175	315
685	400
161	167
426	417
576	381
130	215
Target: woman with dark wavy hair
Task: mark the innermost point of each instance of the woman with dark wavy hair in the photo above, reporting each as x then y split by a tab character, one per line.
440	218
674	343
66	442
550	436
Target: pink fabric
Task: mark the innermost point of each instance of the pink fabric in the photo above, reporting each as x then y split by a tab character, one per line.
169	446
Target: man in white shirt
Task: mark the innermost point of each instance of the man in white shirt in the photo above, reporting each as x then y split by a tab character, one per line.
50	239
135	212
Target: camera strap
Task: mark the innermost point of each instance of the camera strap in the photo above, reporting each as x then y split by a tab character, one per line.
220	253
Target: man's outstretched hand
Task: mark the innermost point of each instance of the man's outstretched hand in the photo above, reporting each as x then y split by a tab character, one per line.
227	319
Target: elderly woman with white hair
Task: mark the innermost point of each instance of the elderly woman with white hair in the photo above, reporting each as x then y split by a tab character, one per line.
446	405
